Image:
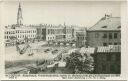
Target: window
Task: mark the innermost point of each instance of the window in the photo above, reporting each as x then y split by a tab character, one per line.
110	35
110	43
104	26
118	57
83	38
108	57
96	35
113	57
105	35
120	35
119	27
103	67
115	43
78	38
104	44
115	35
112	69
48	31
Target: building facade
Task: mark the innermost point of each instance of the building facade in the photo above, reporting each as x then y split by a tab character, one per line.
40	32
48	32
105	32
81	38
19	34
107	60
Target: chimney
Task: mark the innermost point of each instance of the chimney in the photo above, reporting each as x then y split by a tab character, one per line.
108	16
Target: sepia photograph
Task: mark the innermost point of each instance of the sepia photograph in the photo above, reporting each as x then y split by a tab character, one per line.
62	37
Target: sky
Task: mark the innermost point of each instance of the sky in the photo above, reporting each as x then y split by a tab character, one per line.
57	12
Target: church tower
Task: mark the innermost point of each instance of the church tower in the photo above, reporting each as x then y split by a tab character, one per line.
19	16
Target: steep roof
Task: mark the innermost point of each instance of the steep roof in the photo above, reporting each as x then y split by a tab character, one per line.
107	24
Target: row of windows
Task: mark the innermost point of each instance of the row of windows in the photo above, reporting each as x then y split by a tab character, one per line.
69	36
51	38
111	57
112	69
21	36
115	43
58	31
81	38
18	31
57	37
30	31
9	32
108	35
111	35
69	31
60	37
55	31
51	31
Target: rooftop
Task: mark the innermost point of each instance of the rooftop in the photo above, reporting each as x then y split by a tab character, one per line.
107	23
110	48
101	49
90	50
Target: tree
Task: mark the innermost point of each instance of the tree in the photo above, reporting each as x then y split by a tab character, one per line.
80	63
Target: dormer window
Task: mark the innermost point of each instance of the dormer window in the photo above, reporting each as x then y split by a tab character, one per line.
119	27
104	26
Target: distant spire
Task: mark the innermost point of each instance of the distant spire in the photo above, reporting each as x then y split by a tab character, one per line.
19	15
64	24
19	4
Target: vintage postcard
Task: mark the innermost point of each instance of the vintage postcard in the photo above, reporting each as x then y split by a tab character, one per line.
62	39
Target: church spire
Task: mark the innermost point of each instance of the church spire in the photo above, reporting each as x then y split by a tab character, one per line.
19	15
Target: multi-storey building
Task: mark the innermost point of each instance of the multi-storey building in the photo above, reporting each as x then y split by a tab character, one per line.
8	35
24	32
55	32
45	32
19	33
107	59
41	32
105	32
81	38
